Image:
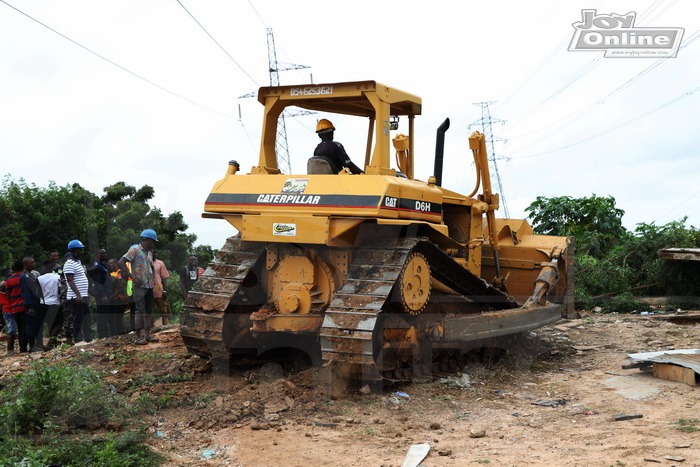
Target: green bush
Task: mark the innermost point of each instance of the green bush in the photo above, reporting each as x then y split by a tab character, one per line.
123	450
56	395
623	303
52	400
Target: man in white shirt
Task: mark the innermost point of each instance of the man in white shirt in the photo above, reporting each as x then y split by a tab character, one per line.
51	286
77	294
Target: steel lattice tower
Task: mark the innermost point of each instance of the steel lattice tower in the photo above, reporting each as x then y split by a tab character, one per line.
486	122
281	146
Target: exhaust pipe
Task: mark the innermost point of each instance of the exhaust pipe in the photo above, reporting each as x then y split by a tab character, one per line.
440	151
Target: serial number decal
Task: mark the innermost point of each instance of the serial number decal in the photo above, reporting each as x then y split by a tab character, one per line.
311	91
284	230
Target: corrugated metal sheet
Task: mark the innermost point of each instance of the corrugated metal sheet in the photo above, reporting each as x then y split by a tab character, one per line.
688	358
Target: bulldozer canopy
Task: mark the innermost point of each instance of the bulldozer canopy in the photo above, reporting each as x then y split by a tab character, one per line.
349	98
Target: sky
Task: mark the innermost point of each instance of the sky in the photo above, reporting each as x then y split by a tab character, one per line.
151	93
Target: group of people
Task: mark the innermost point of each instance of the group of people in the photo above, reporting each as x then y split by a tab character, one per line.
55	299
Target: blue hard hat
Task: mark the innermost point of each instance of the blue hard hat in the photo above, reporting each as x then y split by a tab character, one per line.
149	233
73	244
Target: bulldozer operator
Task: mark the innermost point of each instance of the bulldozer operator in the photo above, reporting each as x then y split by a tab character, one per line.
329	156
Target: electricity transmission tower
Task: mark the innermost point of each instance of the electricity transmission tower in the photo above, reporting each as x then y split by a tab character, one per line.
485	123
281	146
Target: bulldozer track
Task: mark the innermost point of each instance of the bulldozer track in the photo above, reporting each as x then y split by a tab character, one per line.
367	302
351	321
204	310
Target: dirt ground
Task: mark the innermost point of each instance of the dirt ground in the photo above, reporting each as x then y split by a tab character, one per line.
552	400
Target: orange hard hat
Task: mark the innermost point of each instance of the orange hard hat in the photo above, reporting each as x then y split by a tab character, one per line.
324	126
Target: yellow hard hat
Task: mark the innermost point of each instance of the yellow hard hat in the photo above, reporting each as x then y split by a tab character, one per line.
324	126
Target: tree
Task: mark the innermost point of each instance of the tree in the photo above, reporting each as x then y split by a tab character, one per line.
595	222
36	221
672	277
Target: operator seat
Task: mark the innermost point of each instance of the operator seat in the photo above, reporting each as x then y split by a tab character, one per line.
318	166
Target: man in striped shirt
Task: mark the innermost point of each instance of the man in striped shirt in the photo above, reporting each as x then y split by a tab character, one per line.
77	293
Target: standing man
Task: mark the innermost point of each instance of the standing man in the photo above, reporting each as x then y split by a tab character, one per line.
51	288
118	300
159	294
32	296
102	290
56	266
189	275
142	274
5	307
54	262
14	317
77	294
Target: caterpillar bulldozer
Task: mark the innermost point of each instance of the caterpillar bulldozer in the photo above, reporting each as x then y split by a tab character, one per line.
381	275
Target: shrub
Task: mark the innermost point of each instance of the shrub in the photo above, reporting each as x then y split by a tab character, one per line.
49	395
123	450
623	303
48	399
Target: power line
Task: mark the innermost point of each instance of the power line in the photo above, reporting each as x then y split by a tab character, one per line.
627	122
574	117
552	54
587	68
116	64
546	61
666	213
258	14
217	43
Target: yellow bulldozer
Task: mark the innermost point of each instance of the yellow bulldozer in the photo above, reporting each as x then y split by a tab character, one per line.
381	275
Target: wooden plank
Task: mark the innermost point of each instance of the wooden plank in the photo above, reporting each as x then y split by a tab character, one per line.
674	373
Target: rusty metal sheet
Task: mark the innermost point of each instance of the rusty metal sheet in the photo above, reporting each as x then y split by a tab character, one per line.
680	254
688	358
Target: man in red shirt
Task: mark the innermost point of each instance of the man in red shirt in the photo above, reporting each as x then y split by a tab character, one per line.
14	317
5	305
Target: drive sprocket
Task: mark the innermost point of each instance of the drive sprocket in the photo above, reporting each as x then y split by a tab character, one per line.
414	284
